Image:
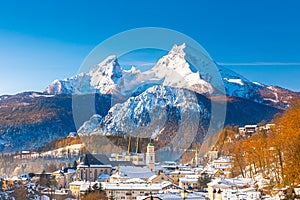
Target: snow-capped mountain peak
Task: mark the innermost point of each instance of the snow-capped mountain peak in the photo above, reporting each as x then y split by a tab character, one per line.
178	51
172	70
108	66
105	76
176	72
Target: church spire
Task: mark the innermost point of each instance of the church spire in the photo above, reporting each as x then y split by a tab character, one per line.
137	148
129	146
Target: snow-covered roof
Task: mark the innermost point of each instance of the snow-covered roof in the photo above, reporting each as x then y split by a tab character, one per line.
15	178
221	183
250	126
222	160
133	172
94	166
182	172
135	180
188	180
103	176
84	185
230	182
177	195
152	177
71	171
132	186
297	191
58	172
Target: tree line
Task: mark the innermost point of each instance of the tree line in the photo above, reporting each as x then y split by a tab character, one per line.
274	153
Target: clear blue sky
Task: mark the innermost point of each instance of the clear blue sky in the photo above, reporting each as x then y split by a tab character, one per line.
45	40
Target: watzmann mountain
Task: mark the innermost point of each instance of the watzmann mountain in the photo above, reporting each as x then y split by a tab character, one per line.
155	102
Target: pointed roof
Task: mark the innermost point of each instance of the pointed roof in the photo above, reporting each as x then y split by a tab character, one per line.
96	159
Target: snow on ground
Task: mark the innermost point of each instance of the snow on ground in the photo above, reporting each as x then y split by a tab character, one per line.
33	95
236	81
257	83
60	152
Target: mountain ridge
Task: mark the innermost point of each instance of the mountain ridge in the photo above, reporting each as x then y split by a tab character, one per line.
49	115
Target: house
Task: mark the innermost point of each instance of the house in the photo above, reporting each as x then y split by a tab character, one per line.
248	130
131	191
176	175
80	187
159	178
223	164
232	188
135	158
219	173
123	173
266	127
189	181
212	155
64	177
297	192
92	166
175	196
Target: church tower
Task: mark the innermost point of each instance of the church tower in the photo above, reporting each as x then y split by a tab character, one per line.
129	146
150	156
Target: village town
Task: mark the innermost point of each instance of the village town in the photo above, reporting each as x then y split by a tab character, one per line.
138	176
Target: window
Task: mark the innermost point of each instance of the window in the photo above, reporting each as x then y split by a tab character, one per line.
95	175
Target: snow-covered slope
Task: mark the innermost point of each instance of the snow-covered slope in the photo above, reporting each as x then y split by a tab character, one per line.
102	78
60	87
239	86
175	72
149	110
90	125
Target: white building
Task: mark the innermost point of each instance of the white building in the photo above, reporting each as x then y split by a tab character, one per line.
135	158
223	163
150	156
124	173
248	130
189	181
129	191
233	189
